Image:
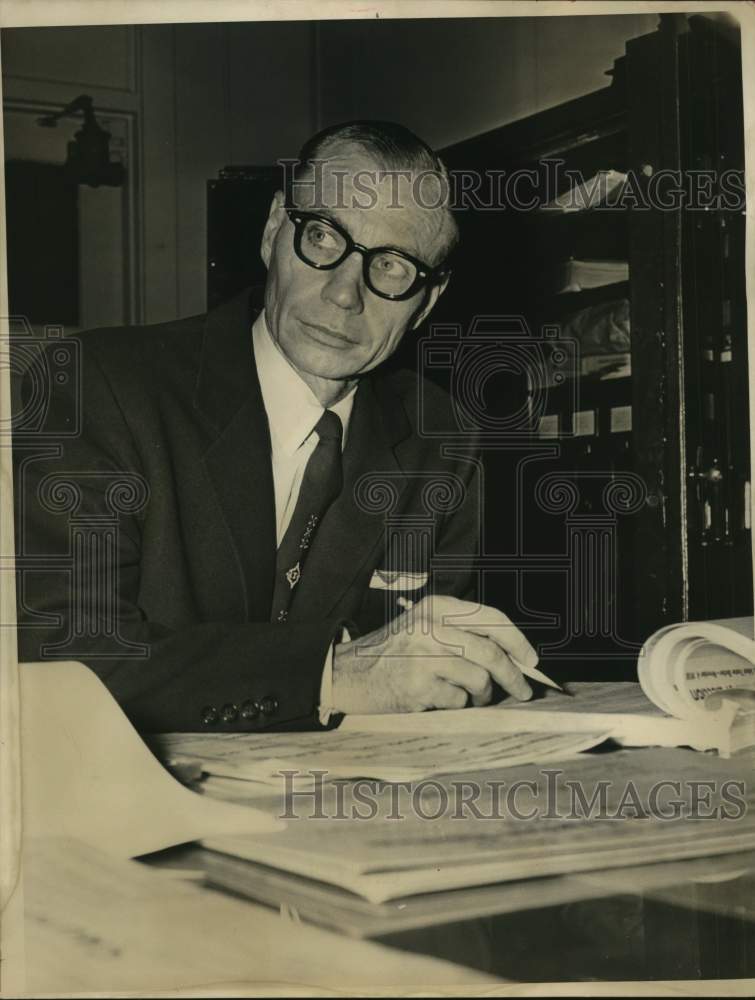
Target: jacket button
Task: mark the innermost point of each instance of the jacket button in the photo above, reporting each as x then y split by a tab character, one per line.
209	715
268	705
250	710
229	713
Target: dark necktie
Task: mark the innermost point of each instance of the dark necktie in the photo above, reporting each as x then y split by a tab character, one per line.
321	484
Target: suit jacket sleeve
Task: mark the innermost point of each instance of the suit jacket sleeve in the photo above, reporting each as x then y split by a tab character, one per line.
164	677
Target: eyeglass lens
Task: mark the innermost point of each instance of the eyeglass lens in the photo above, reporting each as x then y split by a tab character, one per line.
389	272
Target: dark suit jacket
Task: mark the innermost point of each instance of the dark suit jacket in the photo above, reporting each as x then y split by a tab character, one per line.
176	619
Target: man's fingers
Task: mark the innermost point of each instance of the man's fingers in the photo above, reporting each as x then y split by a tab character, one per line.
483	699
473	678
491	658
447	695
485	621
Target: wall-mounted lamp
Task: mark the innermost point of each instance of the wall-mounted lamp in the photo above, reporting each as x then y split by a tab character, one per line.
88	160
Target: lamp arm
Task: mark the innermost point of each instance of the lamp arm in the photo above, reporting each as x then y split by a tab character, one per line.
81	103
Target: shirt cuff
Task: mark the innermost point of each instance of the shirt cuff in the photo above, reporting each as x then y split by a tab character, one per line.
326	684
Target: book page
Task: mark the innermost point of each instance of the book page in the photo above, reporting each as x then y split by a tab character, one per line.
681	665
709	669
574	707
400	756
606	697
618	708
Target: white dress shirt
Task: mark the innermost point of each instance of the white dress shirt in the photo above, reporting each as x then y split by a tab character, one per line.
292	410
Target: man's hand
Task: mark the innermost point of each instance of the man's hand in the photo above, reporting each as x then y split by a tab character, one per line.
438	654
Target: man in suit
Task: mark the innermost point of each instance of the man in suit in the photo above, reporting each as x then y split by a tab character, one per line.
217	538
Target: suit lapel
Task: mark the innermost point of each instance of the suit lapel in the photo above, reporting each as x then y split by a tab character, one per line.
237	460
349	533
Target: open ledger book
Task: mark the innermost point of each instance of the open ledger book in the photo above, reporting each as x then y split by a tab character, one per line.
571	831
696	688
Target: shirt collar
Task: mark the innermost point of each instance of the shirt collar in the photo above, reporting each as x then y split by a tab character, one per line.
291	406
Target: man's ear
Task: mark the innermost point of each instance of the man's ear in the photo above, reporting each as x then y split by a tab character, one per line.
275	219
435	293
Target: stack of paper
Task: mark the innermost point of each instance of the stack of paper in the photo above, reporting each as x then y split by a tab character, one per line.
595	812
400	748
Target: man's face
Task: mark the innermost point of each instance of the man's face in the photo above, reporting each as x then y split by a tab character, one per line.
327	322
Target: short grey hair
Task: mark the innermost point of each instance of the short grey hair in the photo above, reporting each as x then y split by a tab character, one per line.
391	147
